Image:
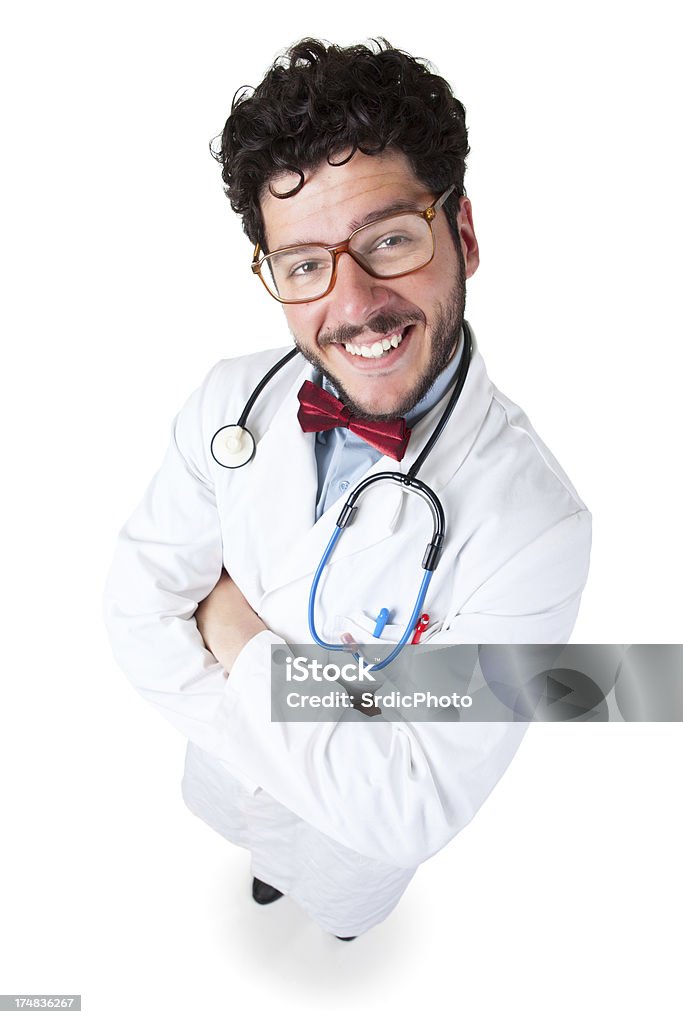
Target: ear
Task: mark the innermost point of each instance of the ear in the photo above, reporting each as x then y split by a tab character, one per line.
468	239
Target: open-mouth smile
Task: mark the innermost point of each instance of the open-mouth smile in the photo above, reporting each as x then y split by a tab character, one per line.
382	350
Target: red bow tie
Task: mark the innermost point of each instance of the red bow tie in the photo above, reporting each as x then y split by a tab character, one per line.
318	410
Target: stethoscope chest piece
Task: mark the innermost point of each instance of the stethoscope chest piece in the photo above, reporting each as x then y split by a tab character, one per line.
233	446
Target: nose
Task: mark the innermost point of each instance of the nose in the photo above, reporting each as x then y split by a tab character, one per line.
356	294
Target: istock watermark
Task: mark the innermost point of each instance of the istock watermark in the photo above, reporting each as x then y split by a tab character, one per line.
326	686
479	683
302	670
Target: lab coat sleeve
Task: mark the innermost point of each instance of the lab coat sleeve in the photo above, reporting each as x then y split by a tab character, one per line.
168	557
399	791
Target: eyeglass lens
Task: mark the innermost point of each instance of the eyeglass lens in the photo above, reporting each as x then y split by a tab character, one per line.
395	245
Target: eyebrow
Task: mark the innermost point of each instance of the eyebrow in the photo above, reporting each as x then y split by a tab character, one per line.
401	206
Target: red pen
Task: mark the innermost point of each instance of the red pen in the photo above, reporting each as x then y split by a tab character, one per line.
422	624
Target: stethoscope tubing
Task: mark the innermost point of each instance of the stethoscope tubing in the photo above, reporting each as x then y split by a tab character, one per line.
410	628
262	383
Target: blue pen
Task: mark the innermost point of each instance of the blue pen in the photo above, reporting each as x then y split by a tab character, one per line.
381	621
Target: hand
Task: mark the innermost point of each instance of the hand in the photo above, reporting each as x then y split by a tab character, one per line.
227	621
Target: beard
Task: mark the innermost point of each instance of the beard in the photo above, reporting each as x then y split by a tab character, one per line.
444	344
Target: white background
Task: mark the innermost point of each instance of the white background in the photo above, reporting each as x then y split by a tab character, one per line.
125	276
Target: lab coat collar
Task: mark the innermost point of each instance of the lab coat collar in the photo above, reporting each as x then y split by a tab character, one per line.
459	433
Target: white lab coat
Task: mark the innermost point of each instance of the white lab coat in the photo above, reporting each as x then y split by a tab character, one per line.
339	814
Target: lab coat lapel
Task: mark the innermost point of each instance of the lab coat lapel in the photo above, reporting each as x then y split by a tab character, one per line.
460	432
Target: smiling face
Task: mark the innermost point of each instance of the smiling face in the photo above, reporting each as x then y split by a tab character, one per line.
416	319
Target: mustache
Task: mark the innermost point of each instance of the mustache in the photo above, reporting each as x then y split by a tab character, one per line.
380	323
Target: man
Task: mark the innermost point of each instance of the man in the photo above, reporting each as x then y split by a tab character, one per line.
347	168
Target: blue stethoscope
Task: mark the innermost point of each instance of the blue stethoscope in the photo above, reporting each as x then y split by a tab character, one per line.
234	446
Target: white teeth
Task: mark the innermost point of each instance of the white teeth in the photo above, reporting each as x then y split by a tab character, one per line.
377	349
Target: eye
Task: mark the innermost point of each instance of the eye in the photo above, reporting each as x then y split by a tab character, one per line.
391	241
306	267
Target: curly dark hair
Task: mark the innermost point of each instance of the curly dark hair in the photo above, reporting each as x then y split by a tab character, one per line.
321	102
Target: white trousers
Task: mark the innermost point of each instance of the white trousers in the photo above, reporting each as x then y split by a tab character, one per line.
344	892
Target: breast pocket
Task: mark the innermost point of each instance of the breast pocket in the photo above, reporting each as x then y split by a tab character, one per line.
362	627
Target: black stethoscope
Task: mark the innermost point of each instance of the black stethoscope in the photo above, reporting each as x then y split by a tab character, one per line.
234	446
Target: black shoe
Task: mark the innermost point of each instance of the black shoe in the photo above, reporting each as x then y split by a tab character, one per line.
346	938
264	893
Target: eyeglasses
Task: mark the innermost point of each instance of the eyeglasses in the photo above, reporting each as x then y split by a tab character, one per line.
385	248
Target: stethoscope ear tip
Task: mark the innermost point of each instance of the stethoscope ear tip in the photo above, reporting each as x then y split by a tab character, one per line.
233	446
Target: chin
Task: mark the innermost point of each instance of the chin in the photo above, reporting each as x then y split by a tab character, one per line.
381	409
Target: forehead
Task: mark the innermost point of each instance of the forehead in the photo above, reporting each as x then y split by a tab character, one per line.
335	200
